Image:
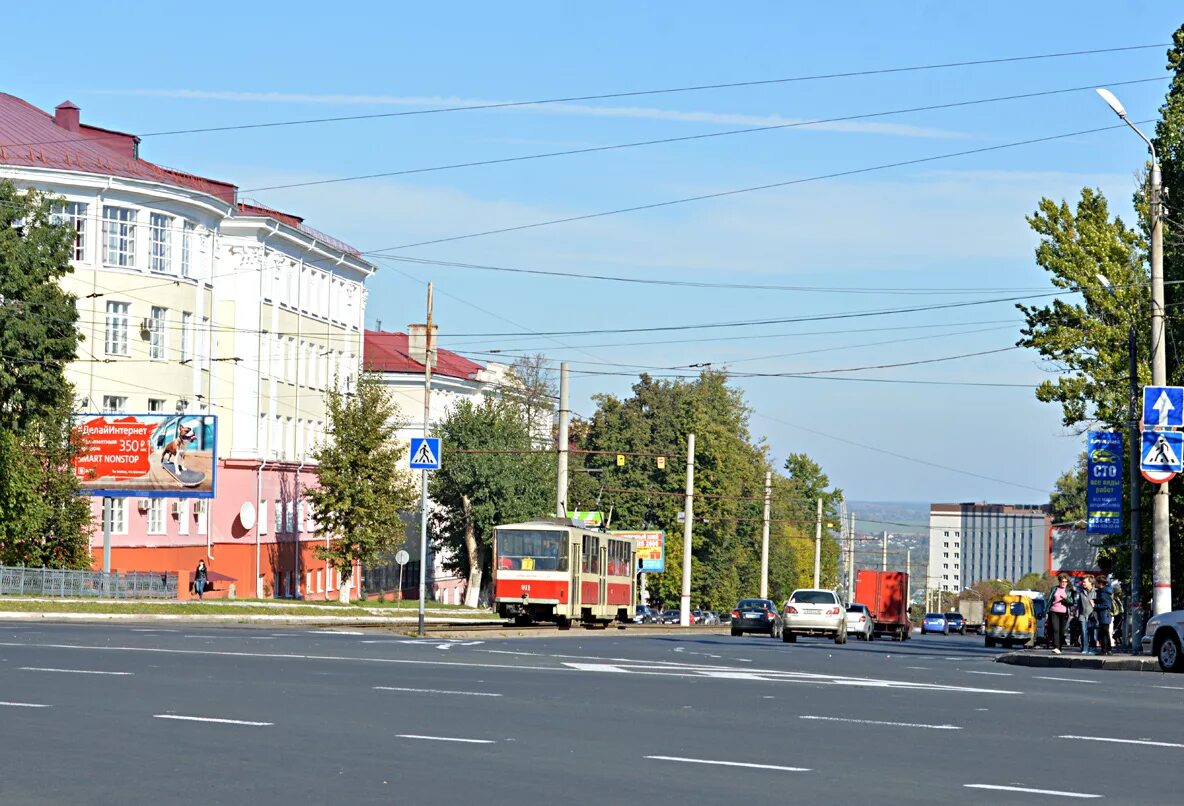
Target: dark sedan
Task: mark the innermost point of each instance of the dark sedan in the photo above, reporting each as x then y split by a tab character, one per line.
757	615
956	623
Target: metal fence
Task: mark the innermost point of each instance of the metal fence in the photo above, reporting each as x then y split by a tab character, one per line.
21	581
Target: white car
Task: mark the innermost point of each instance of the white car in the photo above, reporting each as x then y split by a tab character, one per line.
859	622
812	611
1164	637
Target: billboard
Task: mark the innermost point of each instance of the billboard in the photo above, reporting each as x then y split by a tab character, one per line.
1104	483
147	455
651	550
1072	551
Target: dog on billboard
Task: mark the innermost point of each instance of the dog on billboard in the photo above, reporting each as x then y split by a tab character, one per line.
177	447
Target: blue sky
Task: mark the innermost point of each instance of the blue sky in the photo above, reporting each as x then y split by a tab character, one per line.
937	232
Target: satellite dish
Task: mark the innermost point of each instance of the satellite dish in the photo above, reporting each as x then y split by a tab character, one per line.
246	515
401	557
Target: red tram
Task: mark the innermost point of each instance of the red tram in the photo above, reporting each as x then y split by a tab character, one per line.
550	570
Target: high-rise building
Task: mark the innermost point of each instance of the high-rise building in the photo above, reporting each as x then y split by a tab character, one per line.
975	541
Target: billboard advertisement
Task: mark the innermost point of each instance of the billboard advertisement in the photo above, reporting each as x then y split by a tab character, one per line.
147	455
1104	483
651	550
1071	551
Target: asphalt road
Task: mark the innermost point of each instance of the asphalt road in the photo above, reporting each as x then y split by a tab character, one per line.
97	714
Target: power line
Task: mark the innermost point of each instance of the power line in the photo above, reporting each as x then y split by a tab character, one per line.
752	189
704	136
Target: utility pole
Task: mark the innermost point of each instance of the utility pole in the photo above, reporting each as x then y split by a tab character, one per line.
1161	558
884	553
1134	624
765	537
908	573
564	415
851	558
684	614
818	544
423	474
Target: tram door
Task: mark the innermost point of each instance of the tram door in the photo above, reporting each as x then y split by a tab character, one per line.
575	565
603	571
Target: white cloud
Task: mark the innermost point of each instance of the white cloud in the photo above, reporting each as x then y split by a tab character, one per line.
582	110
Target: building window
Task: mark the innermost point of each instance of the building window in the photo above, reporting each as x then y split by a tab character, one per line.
279	516
290	516
73	215
155	406
114	404
115	339
160	240
116	515
203	517
119	236
156	334
262	517
156	516
182	509
186	247
186	335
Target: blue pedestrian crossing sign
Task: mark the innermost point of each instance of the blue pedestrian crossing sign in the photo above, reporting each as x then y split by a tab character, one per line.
1162	451
1163	406
425	453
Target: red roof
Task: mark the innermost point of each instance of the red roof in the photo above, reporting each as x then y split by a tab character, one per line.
30	138
388	352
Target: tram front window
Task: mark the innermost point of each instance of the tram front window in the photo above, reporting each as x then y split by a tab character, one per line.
532	549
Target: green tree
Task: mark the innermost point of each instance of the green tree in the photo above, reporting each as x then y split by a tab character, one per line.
1068	502
797	503
362	483
504	481
43	520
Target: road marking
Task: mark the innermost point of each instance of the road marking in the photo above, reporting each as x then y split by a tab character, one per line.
1064	679
262	637
70	671
877	722
995	674
152	629
212	719
919	668
729	763
1032	791
338	632
1147	742
436	691
1171	688
445	739
24	705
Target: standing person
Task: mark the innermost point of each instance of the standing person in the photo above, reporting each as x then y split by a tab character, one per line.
1104	608
1085	610
1062	599
200	577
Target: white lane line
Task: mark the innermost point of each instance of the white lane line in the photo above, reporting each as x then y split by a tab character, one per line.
152	629
919	668
338	632
23	705
877	722
1171	688
436	691
1032	791
262	637
1147	742
445	739
729	763
212	719
995	674
1064	679
70	671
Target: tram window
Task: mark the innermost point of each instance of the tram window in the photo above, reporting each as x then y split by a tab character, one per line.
618	558
532	549
591	562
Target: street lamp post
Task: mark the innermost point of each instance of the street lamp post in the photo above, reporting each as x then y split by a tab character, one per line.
1161	562
1135	592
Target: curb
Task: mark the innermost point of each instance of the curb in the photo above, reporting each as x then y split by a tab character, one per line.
1111	663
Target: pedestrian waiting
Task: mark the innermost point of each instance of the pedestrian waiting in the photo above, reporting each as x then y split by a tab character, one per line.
200	578
1104	609
1085	614
1063	600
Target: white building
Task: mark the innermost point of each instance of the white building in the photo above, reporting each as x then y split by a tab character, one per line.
971	542
192	300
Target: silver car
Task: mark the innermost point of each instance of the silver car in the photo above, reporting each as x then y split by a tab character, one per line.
813	611
859	622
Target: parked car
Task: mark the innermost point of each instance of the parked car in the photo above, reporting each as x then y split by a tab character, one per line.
756	615
935	622
710	618
860	623
813	611
645	615
1164	637
669	617
956	623
724	617
1011	619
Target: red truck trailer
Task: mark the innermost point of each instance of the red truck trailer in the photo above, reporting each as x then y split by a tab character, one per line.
886	595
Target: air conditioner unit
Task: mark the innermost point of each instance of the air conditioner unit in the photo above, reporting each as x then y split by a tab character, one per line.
143	504
146	327
199	507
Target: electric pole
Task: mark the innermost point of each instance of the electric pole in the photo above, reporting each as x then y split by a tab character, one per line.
564	415
684	615
423	474
765	537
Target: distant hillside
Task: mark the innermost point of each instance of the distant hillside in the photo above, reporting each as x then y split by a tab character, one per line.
897	517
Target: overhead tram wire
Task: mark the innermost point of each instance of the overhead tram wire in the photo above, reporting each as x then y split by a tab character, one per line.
754	188
633	93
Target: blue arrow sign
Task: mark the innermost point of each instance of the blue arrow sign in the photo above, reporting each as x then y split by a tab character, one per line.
425	453
1163	406
1162	451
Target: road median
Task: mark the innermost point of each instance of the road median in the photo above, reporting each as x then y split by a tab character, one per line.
1108	663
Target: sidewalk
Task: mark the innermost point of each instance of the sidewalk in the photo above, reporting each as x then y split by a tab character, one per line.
1073	659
